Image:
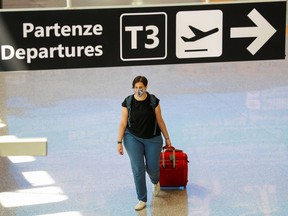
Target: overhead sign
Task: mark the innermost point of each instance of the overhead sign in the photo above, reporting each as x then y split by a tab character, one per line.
57	39
263	31
146	40
199	34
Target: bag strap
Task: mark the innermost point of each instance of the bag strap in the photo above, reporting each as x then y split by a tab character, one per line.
171	148
153	101
128	104
153	104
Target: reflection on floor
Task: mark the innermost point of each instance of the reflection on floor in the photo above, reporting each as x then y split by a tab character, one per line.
230	118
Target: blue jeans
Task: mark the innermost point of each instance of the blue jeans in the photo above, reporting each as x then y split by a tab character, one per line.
144	156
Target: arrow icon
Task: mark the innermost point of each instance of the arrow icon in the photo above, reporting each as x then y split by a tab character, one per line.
263	31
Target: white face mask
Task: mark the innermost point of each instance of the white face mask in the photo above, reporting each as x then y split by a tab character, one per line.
140	92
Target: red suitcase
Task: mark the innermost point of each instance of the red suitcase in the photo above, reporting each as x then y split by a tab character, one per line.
173	168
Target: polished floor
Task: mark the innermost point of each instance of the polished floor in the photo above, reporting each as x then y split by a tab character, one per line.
230	118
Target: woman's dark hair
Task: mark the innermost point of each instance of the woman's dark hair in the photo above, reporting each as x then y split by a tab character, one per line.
140	79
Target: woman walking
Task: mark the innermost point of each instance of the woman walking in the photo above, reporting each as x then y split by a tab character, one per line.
140	131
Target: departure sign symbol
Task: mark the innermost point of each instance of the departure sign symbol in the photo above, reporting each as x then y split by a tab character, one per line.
199	34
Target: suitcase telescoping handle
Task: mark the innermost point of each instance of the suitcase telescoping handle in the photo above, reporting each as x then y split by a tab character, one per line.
171	148
168	148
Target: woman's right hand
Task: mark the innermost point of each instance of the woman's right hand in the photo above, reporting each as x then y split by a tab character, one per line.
120	149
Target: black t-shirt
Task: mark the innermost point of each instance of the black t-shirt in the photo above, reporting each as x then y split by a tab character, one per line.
142	119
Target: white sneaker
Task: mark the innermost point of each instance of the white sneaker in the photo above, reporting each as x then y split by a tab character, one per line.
156	189
140	205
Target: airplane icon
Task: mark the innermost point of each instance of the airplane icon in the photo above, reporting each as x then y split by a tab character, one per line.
198	39
198	34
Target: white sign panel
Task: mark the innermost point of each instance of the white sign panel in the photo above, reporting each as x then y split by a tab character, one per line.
199	33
